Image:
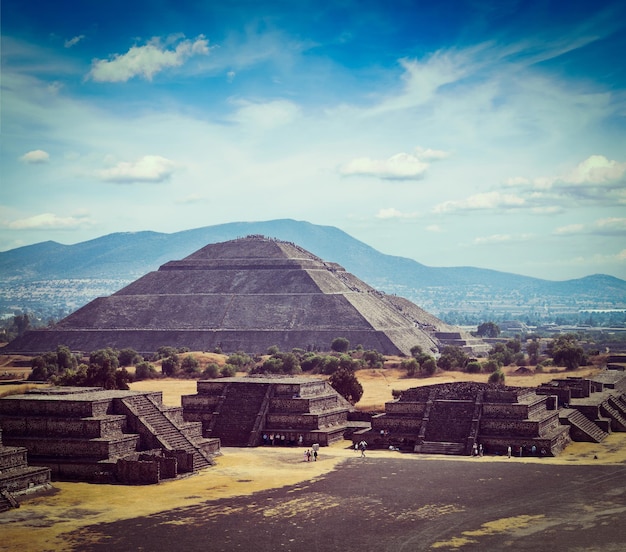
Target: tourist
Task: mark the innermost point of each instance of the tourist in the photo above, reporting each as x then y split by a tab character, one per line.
480	449
508	451
306	455
362	446
300	440
474	449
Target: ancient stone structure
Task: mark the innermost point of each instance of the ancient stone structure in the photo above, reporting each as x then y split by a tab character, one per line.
451	418
104	436
241	411
592	407
17	477
246	294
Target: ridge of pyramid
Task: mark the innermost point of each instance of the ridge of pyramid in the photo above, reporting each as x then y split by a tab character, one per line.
252	247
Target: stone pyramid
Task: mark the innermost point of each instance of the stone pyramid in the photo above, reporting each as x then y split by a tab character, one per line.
245	294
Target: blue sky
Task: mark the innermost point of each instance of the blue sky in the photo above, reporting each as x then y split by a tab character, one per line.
457	133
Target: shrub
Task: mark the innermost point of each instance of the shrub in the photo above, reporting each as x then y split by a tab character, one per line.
228	371
145	370
410	365
190	365
497	377
428	367
347	385
340	345
473	368
211	371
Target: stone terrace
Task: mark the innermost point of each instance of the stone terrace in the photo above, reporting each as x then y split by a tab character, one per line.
250	411
451	418
104	436
17	477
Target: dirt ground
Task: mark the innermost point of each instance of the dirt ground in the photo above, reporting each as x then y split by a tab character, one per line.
271	499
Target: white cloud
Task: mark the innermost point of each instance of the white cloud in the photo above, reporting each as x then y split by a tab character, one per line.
149	168
502	238
428	154
401	166
392	213
73	41
483	201
612	225
48	221
35	157
569	229
434	228
147	60
265	114
596	169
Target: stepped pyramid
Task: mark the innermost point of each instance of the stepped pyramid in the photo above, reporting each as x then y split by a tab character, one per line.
245	294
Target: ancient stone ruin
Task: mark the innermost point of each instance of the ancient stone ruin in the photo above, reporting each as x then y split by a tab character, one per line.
253	411
458	418
89	434
17	477
450	418
247	295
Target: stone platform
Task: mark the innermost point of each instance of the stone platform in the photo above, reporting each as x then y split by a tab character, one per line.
252	411
90	434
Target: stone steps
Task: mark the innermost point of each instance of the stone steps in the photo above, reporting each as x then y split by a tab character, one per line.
440	447
584	424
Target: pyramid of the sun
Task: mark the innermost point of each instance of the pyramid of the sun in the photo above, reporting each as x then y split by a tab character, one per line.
243	295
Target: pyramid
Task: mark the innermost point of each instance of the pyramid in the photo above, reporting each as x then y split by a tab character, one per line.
243	295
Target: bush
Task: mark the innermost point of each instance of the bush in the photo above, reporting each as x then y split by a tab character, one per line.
497	377
211	371
347	385
228	371
411	366
473	368
428	367
128	357
169	366
190	365
145	370
491	366
340	345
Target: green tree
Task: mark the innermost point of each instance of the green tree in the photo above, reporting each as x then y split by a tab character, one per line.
228	371
211	371
144	370
488	329
428	367
452	358
190	365
532	348
128	357
411	366
347	385
170	366
473	367
566	351
373	359
497	377
102	368
340	345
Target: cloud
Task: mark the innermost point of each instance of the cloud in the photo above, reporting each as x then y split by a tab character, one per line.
35	157
73	41
265	114
428	154
149	168
596	179
147	60
48	221
392	213
569	229
502	238
401	166
484	201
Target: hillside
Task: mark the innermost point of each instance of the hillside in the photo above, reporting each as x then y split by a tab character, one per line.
55	278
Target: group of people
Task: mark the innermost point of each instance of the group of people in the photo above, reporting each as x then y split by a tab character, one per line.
477	449
312	453
282	439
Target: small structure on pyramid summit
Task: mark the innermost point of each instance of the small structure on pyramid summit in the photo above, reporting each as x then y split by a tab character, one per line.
247	295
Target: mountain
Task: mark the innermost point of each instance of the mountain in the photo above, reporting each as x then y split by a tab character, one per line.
121	257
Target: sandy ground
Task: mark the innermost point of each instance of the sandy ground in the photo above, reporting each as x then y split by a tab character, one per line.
68	518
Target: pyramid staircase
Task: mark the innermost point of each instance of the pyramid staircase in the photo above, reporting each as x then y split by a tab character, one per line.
161	431
612	408
239	416
582	427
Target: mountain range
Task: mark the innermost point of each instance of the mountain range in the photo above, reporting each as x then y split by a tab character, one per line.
122	257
